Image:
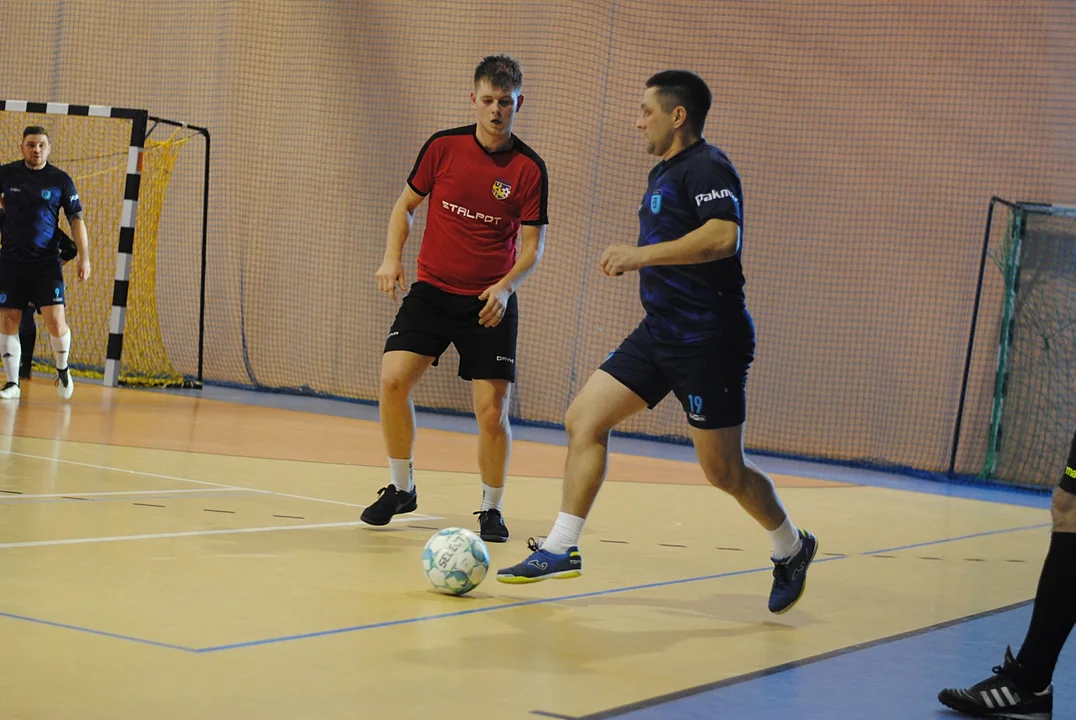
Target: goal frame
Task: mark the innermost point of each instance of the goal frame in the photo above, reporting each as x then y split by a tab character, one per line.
140	120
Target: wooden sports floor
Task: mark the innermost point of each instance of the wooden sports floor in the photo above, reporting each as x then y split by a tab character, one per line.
172	556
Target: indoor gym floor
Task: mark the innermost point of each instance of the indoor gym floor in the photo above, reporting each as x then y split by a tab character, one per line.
200	555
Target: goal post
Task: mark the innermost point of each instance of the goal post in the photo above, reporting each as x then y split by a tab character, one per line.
1032	379
122	177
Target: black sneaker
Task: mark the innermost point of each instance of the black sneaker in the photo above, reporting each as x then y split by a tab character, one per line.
390	501
790	575
491	526
1001	696
26	370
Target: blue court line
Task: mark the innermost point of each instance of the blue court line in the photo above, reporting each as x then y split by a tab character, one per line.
103	633
493	608
580	596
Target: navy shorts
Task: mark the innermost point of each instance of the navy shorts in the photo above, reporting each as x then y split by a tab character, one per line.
38	283
709	377
431	319
1068	480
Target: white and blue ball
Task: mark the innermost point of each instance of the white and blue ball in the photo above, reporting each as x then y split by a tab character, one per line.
455	560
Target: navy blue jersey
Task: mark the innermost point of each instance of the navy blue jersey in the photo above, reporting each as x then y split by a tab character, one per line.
688	303
32	202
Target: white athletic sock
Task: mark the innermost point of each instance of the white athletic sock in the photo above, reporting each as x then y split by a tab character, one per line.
786	540
491	497
402	470
11	349
61	346
565	533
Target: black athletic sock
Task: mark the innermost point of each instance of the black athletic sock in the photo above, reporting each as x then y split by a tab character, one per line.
28	336
1054	613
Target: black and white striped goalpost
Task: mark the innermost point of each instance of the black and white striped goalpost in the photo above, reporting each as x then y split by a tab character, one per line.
138	120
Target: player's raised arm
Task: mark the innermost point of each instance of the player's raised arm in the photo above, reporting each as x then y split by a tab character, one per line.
390	274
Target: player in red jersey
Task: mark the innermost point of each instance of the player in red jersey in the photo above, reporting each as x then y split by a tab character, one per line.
484	235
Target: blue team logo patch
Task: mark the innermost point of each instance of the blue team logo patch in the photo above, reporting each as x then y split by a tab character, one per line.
501	189
655	202
3	298
46	193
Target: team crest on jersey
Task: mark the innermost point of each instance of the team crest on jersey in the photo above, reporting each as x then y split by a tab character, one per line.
655	202
501	189
46	194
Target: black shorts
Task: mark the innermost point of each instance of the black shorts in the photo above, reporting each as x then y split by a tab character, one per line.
1068	480
709	378
431	319
38	283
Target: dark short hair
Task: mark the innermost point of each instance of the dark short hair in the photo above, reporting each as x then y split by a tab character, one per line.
683	88
501	71
34	130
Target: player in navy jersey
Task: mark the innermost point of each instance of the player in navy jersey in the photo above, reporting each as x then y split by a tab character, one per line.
696	340
485	233
33	193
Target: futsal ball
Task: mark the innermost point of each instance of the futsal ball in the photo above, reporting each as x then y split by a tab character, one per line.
455	561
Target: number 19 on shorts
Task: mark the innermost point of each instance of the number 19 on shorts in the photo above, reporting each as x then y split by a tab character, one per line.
694	404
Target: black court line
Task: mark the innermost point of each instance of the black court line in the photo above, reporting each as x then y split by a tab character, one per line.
728	682
147	505
11	492
542	713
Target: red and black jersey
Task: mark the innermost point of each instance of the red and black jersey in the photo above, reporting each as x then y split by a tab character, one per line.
477	201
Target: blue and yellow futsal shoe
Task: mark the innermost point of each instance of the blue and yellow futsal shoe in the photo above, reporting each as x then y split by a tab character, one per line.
542	565
790	575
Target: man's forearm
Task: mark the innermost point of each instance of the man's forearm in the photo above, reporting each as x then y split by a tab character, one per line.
399	229
80	236
708	243
529	255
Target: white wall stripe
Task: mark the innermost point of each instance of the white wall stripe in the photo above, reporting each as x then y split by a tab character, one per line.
15	106
57	108
100	111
